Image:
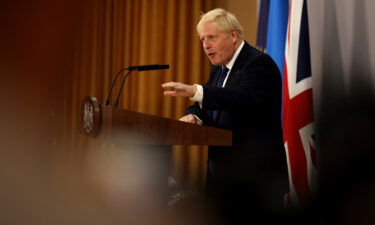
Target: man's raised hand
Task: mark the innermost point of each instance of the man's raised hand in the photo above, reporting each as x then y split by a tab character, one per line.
179	89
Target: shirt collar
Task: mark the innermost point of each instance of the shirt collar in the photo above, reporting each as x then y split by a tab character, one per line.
231	62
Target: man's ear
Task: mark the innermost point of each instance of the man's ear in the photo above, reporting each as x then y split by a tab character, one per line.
234	34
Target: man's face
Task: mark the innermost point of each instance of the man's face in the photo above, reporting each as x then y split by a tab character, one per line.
218	45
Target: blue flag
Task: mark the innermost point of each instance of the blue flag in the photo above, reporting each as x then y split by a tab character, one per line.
277	28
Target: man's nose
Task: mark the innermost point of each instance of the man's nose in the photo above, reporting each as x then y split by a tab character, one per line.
206	44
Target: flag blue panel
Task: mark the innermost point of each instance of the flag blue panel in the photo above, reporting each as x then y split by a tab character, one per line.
303	66
276	34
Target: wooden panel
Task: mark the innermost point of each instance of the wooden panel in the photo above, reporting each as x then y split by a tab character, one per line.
129	127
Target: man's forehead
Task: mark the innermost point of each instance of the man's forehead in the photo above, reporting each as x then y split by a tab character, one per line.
209	28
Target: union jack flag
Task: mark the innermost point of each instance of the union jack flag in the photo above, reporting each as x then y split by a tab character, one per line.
298	118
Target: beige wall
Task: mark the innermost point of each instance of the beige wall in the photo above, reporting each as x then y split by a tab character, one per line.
246	13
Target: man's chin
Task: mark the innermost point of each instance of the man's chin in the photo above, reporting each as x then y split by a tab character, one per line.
215	63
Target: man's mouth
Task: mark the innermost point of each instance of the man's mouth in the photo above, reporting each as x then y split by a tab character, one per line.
210	55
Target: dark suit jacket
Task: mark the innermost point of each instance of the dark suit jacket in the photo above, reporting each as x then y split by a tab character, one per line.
250	106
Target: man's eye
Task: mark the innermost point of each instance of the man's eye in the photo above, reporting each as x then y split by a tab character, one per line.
213	38
209	38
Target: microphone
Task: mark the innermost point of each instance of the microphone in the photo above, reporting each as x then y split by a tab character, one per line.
148	67
130	69
113	84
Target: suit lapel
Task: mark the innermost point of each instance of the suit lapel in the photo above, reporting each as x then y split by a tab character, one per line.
216	72
234	74
233	77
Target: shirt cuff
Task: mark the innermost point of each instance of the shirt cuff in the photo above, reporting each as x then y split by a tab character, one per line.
199	121
198	96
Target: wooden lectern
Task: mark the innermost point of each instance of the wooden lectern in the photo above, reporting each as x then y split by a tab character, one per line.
129	127
149	137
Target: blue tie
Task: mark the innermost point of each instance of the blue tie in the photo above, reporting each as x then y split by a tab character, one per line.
220	81
222	75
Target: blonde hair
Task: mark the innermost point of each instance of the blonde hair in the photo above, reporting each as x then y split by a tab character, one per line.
225	21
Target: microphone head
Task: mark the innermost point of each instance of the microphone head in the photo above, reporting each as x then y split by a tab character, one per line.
149	67
163	67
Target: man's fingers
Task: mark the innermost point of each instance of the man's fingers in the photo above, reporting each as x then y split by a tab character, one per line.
169	85
175	93
170	93
178	89
174	85
188	118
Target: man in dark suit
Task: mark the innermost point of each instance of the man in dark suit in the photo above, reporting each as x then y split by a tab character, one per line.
243	94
